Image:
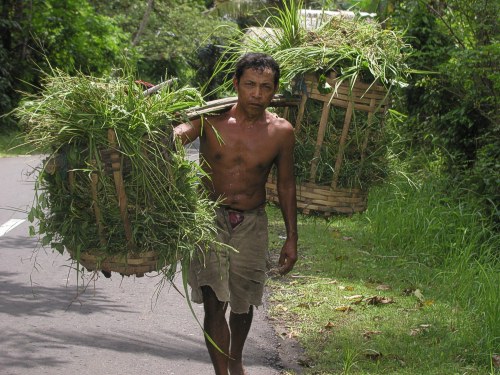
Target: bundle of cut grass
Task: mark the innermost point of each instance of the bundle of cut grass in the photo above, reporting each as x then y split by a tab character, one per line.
361	56
353	48
113	186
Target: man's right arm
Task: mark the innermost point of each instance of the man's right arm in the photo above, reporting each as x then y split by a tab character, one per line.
188	131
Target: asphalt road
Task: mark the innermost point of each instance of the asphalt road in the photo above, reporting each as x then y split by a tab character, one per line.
53	322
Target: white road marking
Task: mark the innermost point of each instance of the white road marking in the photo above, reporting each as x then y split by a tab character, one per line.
9	225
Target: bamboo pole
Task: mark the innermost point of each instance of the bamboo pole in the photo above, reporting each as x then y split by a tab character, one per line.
94	181
300	114
369	123
120	189
343	138
319	141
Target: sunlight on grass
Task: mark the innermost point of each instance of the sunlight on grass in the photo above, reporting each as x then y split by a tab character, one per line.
13	144
360	303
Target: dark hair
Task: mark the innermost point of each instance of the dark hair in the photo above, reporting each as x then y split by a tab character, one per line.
259	62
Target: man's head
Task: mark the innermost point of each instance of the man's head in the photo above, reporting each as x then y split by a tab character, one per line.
259	62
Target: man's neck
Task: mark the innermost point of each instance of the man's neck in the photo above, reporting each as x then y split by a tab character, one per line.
245	118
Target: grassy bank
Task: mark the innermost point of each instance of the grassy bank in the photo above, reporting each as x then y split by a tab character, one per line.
12	144
409	287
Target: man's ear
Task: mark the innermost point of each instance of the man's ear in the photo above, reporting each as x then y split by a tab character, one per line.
235	84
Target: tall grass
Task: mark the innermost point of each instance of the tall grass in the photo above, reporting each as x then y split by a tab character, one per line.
71	117
352	48
428	226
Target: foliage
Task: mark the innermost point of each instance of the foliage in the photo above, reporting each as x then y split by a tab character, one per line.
172	35
456	109
72	115
409	287
352	48
67	35
94	37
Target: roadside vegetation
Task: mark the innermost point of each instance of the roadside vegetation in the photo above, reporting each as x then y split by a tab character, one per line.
408	287
411	286
13	143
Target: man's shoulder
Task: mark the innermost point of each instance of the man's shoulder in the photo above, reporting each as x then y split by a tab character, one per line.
278	122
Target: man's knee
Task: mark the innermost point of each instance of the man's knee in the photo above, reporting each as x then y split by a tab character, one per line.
211	302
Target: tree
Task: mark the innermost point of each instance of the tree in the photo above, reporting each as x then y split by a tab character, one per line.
457	107
167	35
42	35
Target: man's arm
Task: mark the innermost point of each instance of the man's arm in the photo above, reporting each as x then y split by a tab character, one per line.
188	131
288	200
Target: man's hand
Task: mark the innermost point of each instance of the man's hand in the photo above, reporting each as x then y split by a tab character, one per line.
288	257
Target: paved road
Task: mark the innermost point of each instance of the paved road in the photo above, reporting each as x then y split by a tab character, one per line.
115	326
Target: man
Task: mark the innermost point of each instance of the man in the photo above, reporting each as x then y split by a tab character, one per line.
237	150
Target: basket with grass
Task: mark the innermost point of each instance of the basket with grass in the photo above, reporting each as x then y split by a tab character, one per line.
113	190
344	70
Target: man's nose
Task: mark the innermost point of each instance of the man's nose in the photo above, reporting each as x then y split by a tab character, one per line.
257	92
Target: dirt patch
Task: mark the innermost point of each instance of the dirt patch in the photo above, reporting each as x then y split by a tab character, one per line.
291	354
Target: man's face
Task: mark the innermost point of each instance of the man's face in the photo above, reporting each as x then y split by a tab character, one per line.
255	89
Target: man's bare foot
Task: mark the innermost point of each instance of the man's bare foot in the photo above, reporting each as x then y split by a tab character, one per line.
236	367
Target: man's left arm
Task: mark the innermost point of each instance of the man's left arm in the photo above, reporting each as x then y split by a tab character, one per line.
288	200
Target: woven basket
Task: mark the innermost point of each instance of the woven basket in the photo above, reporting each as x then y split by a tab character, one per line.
314	198
132	263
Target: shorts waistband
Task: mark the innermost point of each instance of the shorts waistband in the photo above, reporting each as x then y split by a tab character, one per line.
253	210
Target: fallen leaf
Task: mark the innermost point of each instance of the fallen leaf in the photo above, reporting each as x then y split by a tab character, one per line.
383	287
356	296
343	308
373	355
355	300
343	287
415	331
378	300
346	238
417	293
420	329
368	334
496	360
408	291
329	325
280	307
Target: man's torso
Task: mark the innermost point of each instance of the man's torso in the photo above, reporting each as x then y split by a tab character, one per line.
238	158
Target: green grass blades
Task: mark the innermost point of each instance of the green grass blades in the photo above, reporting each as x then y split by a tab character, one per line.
409	287
351	47
71	117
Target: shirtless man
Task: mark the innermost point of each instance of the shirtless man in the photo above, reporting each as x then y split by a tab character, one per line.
238	149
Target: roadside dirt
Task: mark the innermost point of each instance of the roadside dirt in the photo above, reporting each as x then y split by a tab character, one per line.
291	354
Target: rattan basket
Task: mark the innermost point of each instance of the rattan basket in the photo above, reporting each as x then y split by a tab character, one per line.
328	199
132	263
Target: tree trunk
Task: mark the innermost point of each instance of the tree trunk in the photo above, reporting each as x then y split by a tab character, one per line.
143	23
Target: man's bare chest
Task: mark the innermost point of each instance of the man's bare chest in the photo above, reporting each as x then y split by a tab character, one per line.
249	148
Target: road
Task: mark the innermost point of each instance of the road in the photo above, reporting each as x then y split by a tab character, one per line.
113	326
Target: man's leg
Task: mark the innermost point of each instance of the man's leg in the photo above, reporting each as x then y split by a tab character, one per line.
216	327
240	326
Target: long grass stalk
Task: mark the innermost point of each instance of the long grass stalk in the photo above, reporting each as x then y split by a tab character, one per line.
168	212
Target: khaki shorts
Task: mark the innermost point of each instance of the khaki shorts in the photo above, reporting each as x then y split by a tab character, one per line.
235	277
